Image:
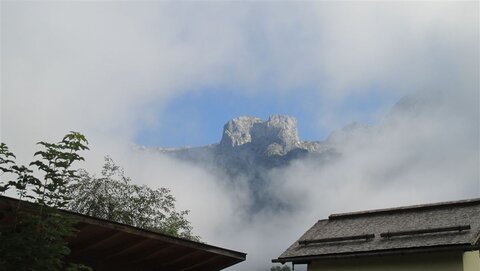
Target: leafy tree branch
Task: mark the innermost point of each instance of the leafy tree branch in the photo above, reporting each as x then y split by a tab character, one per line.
34	238
113	196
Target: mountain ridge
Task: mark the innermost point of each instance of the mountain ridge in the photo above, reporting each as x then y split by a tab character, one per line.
249	148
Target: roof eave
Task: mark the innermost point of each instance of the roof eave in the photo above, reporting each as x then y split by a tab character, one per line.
241	256
402	251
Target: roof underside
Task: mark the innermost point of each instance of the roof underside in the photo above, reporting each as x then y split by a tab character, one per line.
452	225
106	245
120	247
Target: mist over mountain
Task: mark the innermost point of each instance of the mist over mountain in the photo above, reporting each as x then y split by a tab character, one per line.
251	147
252	151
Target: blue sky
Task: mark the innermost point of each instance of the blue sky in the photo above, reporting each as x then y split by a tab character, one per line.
195	66
197	118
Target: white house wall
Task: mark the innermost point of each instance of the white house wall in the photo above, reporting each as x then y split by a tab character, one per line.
424	262
471	261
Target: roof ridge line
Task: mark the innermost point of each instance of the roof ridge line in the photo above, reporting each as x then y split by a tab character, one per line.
406	208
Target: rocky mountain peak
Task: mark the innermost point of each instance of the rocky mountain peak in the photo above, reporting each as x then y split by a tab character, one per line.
236	131
250	147
279	129
278	134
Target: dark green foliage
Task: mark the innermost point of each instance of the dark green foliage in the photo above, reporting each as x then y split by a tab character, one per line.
280	268
113	196
35	242
33	237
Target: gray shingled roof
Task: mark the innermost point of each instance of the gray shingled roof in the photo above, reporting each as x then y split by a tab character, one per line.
448	226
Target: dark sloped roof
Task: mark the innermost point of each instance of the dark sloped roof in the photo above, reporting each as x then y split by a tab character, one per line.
440	226
107	245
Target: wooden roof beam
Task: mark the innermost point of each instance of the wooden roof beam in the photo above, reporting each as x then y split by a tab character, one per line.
102	240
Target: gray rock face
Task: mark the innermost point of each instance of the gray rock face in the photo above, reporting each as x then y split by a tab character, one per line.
279	132
236	132
276	136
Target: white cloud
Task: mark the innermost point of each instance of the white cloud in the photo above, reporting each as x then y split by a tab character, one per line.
104	68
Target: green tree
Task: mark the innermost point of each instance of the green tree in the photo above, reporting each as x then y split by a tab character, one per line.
113	196
33	238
